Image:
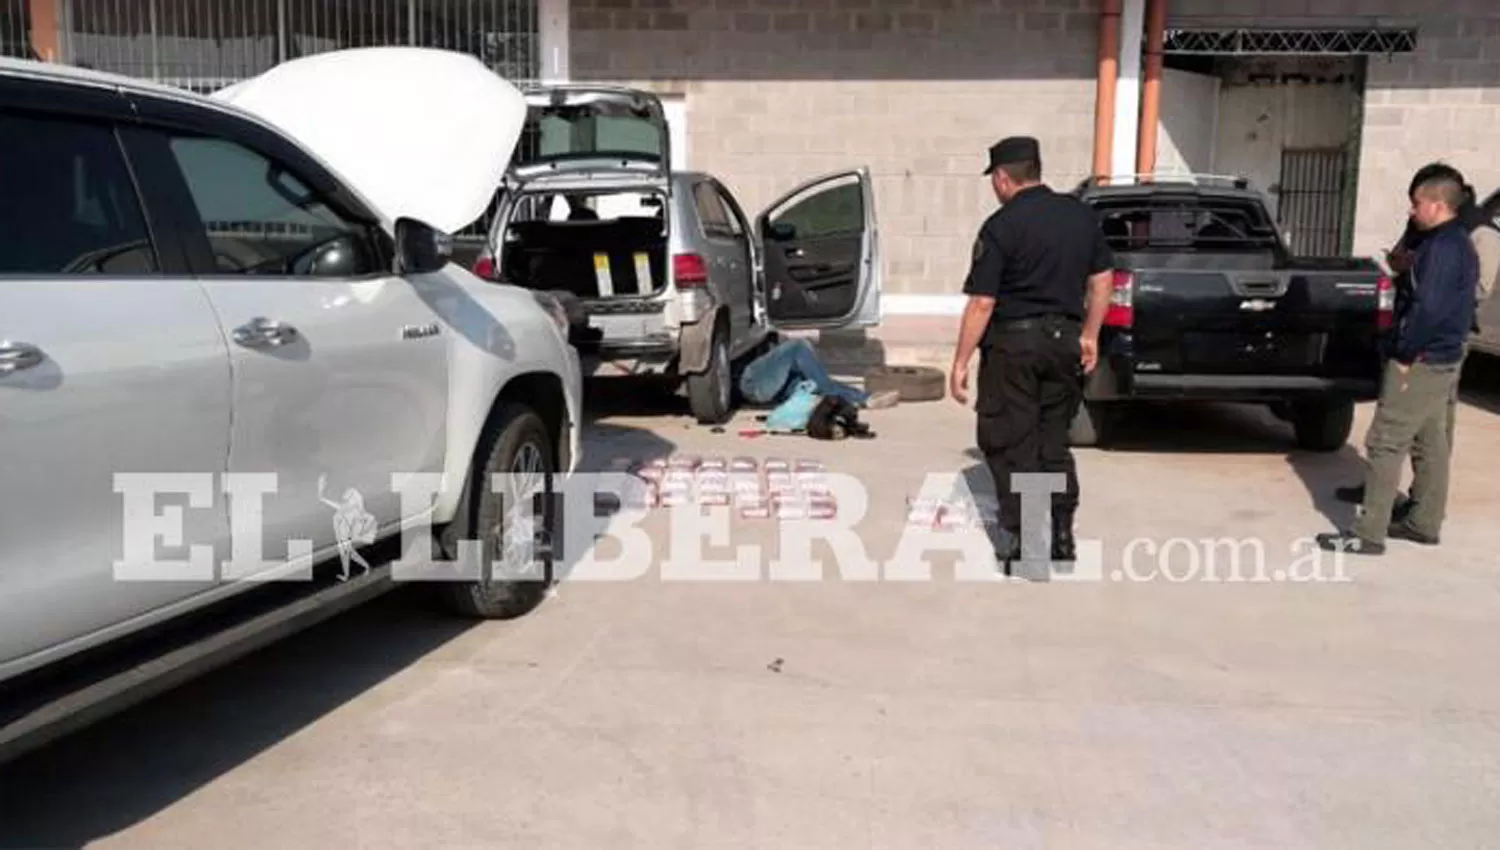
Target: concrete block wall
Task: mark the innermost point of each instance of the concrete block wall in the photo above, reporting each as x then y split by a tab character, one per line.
1440	102
782	90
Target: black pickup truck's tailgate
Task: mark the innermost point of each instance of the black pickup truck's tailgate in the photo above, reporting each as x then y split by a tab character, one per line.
1214	314
1210	304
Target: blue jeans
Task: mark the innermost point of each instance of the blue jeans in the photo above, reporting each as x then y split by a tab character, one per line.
770	377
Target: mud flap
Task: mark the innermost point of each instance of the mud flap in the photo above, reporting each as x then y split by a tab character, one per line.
697	343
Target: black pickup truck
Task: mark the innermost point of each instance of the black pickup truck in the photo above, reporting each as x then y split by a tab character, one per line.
1210	305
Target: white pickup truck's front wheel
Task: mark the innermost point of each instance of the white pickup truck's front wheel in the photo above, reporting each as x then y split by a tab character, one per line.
515	537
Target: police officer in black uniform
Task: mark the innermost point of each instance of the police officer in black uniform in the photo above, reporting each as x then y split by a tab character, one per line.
1038	288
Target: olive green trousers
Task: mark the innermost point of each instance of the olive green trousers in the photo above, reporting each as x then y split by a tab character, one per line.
1415	416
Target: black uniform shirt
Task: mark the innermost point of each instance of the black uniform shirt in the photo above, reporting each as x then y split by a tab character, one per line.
1034	256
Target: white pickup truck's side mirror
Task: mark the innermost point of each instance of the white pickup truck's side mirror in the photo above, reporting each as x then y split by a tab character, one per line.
421	248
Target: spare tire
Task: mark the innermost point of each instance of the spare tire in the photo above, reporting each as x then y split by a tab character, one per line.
912	383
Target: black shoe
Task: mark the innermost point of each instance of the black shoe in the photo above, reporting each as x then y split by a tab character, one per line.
1064	546
1009	552
1403	508
1356	496
1350	543
1402	530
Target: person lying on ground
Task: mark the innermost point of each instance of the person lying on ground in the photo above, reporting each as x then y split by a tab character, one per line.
770	378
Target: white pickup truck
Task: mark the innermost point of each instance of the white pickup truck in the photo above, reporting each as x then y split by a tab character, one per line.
195	291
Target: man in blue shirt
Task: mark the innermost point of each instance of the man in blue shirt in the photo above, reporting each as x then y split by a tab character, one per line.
1421	375
1485	235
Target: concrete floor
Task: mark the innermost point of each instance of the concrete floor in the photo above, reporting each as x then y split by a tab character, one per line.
652	714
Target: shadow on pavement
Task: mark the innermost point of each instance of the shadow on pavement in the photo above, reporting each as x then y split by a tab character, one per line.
1243	429
607	398
1323	473
611	447
127	768
1192	428
1210	428
1199	427
979	481
1480	387
124	770
608	442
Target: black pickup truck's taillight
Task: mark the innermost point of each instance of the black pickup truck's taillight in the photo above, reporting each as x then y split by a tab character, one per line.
1121	312
1385	295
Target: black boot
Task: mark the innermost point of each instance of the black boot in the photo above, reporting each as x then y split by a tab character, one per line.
1402	530
1008	551
1349	542
1356	496
1064	546
1402	508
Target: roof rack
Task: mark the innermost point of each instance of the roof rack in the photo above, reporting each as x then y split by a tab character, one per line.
1223	181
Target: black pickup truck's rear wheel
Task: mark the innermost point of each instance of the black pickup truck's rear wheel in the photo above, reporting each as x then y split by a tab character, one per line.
1323	426
1092	424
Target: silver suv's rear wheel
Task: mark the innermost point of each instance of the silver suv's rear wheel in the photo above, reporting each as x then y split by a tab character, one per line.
710	394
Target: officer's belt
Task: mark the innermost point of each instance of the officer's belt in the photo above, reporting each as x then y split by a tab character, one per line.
1033	323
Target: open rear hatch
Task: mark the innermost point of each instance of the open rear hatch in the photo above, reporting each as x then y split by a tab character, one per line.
586	217
596	129
593	246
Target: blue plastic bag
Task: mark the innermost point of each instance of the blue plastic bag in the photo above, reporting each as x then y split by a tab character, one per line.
793	414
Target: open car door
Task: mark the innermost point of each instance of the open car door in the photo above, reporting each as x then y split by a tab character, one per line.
820	255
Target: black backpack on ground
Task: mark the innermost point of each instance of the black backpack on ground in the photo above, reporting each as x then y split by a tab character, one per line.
835	419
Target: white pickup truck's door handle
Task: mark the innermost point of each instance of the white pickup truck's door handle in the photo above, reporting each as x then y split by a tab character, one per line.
15	356
261	332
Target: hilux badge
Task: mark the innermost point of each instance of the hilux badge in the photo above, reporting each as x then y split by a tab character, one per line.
419	331
1257	305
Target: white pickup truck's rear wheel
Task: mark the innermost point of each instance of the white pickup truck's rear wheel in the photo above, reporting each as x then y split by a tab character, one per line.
516	539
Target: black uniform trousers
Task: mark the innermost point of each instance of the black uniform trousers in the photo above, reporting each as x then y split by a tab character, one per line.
1030	388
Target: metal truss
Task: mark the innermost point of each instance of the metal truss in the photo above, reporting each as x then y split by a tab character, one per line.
1290	42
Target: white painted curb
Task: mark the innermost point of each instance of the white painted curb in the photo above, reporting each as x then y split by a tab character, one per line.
922	305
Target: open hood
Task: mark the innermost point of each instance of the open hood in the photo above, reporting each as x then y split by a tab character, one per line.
590	128
420	133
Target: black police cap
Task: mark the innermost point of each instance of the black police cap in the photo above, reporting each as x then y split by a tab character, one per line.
1012	150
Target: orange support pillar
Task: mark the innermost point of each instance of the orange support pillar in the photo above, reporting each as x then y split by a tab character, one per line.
44	29
1104	93
1156	36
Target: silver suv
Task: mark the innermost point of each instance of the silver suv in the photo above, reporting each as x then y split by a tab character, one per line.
667	274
